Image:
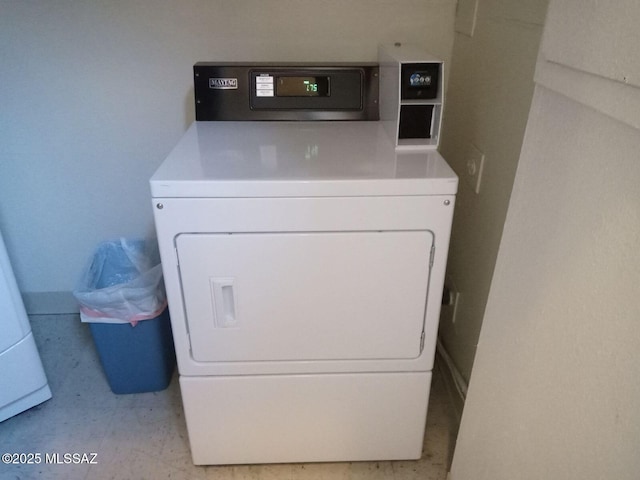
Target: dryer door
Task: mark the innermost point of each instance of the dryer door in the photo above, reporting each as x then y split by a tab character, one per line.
305	296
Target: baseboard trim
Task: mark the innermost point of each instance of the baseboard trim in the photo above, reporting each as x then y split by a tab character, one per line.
49	303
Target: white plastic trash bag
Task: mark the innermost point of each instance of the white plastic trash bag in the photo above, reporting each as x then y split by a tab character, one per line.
123	283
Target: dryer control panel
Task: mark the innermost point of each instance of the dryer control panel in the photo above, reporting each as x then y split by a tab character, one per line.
295	91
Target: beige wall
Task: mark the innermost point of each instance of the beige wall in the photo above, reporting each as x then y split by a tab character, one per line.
94	94
555	392
488	100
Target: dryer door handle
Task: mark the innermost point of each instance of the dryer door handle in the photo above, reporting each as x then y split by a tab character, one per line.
224	302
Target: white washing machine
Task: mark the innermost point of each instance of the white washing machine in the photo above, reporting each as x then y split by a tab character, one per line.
23	383
304	262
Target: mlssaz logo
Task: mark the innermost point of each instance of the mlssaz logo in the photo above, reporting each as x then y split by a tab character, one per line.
223	83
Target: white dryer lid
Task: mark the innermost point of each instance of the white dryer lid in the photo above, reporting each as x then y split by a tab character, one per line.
297	159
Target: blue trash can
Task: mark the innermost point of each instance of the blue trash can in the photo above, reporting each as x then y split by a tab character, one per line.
121	288
136	359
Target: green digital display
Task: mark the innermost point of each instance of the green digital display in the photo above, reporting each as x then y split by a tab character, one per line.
298	86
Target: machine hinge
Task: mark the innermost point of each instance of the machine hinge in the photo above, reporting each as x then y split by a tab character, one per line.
432	255
422	341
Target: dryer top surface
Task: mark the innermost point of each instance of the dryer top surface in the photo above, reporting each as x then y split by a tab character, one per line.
297	159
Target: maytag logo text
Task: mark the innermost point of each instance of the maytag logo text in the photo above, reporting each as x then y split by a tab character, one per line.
223	83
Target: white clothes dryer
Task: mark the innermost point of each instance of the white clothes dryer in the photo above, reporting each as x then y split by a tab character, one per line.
304	265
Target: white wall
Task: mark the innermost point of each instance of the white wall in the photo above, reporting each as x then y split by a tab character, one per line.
94	94
555	392
490	91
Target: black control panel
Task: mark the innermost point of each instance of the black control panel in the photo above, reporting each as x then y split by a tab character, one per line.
267	91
